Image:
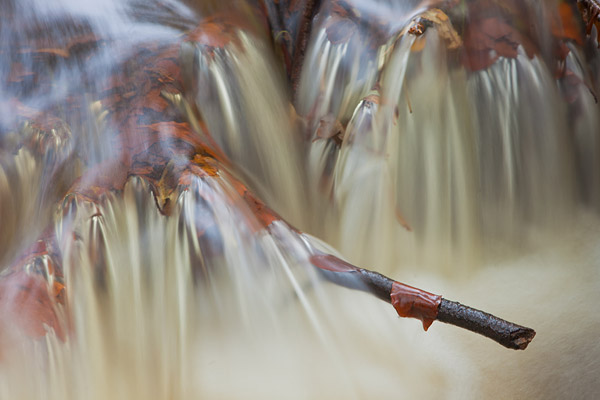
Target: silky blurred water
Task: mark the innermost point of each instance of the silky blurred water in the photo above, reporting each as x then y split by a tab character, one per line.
481	185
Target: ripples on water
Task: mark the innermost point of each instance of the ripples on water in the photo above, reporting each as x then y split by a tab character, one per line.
475	176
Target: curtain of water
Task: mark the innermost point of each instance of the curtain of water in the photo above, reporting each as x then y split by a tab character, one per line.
478	182
468	158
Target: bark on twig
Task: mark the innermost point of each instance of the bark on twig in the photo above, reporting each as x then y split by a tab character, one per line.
506	333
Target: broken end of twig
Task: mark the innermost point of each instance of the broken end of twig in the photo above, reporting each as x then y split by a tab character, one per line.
522	337
506	333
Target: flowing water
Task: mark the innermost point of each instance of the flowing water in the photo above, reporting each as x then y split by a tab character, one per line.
472	176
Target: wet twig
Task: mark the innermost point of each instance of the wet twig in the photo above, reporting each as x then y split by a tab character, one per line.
506	333
416	303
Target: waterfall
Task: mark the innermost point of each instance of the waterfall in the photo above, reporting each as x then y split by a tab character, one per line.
165	181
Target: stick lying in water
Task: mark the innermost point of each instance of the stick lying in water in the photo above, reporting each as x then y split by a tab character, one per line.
415	303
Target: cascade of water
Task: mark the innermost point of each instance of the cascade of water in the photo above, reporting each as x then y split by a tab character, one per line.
469	156
464	163
241	98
